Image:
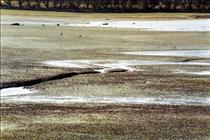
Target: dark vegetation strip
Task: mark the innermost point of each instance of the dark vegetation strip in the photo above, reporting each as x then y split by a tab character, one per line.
43	79
110	5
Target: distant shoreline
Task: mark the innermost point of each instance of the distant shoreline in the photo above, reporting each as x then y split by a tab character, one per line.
102	11
106	6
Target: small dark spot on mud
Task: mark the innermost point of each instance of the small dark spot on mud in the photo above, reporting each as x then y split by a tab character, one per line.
105	24
115	70
201	16
58	25
111	70
192	59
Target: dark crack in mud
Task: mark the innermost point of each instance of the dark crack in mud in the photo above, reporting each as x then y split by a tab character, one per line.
43	79
192	59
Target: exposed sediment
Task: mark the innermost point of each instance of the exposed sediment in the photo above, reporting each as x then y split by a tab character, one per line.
111	5
101	108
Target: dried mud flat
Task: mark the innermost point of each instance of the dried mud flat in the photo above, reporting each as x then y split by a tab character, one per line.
68	82
92	121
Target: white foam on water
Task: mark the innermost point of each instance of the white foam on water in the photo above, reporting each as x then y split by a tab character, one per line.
195	101
182	53
15	91
158	25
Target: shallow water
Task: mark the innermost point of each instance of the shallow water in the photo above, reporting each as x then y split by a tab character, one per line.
205	73
181	53
15	91
195	101
112	64
155	25
164	25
